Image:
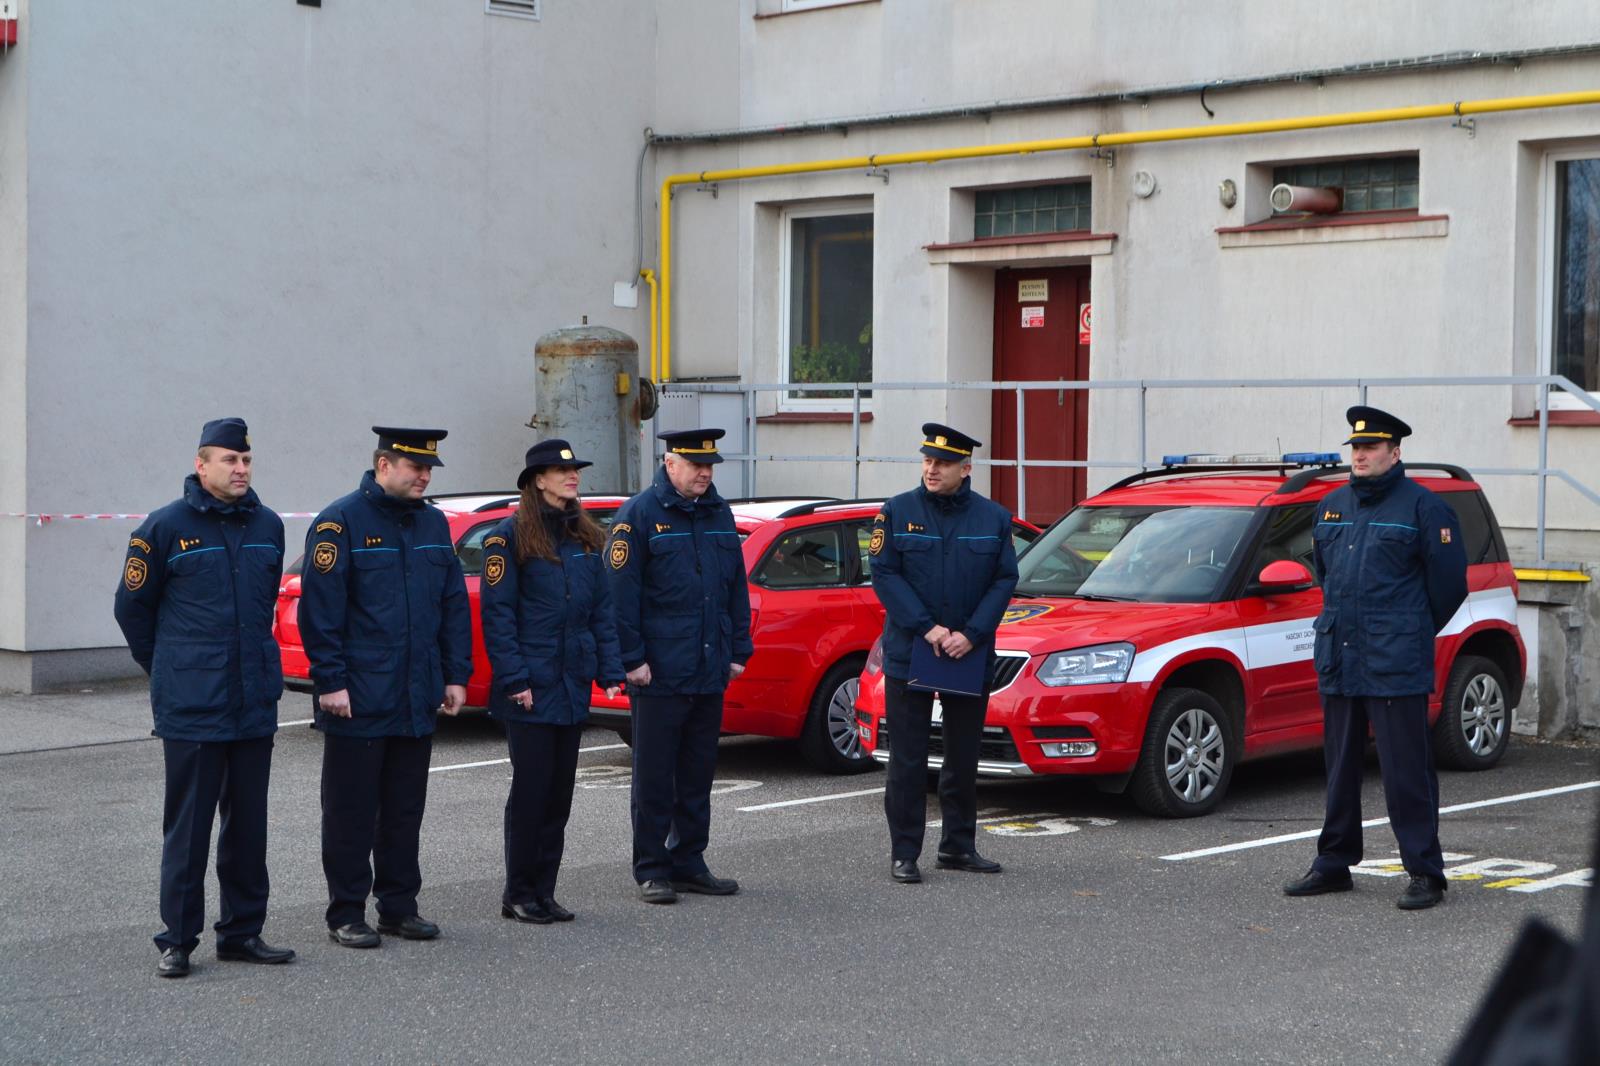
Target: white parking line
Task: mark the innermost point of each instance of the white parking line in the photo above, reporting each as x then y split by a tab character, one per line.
501	762
297	721
1310	833
812	799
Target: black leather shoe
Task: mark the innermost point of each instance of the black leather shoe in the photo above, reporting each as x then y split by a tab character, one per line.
1317	883
534	913
254	949
706	885
658	891
411	927
971	862
905	871
557	911
174	963
1423	892
355	935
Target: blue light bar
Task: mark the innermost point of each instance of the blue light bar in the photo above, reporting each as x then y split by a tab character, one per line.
1312	458
1251	459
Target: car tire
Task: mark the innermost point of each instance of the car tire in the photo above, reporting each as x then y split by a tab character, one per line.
829	740
1474	723
1187	760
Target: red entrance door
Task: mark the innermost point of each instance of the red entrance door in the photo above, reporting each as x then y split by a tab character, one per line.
1036	338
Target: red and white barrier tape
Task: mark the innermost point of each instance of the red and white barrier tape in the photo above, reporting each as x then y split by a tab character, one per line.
45	519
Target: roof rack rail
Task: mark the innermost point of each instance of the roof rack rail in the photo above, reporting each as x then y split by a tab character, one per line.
779	499
432	496
496	504
1191	471
816	505
1306	477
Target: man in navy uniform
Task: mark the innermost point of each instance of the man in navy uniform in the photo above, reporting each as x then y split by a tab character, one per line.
1393	572
386	626
199	586
683	621
944	567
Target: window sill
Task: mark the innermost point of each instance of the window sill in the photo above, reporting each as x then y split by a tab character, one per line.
1334	229
761	16
807	417
1032	249
1560	418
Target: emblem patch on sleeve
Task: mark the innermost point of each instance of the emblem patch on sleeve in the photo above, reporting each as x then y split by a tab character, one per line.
142	545
324	555
1444	535
134	573
492	541
329	527
875	545
619	554
494	568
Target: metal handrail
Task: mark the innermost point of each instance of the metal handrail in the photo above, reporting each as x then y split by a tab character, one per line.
751	456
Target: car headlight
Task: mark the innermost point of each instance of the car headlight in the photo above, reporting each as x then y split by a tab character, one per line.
1103	664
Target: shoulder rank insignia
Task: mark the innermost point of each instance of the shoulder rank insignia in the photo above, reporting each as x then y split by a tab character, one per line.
185	543
663	527
619	553
875	545
494	568
329	527
912	527
143	546
324	555
373	541
134	573
492	541
1330	516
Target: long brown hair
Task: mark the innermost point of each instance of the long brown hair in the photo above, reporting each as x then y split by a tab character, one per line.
533	536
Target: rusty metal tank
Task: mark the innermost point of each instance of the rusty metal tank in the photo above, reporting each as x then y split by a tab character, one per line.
586	390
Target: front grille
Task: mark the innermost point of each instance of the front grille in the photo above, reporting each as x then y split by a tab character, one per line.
996	745
1006	669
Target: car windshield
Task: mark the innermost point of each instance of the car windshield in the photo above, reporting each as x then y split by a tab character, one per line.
1134	554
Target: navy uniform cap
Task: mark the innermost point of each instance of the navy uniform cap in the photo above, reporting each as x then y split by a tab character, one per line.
547	453
1370	424
695	445
229	433
942	442
419	445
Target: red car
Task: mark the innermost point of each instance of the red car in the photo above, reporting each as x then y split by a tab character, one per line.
813	618
471	517
1162	631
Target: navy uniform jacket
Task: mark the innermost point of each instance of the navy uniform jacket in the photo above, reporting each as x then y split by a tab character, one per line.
199	587
383	612
546	626
1393	571
941	560
678	581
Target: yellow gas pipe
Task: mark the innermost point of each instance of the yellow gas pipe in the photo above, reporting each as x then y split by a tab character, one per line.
661	346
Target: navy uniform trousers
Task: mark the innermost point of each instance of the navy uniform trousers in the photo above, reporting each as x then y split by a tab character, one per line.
674	762
374	790
201	778
910	715
1410	782
544	766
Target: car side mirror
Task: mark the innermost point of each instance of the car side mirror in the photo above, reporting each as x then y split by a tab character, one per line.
1285	575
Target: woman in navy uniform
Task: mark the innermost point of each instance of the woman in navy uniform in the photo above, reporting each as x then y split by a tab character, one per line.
548	629
199	587
388	630
944	567
683	621
1388	554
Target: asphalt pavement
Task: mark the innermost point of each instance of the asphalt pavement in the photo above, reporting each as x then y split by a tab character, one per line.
1111	937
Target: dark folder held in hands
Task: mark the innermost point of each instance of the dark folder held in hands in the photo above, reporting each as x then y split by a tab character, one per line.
933	672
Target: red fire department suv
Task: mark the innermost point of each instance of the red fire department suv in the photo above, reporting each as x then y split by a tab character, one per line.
1162	631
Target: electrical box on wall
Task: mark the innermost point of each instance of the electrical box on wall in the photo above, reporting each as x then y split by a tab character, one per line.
721	410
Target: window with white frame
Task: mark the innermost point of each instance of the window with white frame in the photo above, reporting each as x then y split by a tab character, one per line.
827	295
1571	271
